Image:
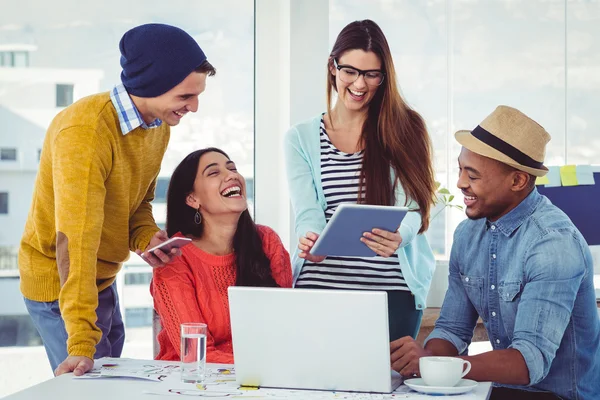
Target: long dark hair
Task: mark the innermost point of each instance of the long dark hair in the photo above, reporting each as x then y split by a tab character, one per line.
253	267
393	132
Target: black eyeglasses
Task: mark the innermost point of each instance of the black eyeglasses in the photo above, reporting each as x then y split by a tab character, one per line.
349	74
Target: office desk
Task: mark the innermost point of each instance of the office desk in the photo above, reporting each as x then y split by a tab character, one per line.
66	387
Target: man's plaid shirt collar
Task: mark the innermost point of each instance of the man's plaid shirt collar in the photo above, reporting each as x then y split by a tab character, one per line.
129	116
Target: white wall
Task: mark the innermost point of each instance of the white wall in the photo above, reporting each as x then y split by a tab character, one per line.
36	87
11	299
289	88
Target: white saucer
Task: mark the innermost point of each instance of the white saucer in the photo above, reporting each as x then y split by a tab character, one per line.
463	386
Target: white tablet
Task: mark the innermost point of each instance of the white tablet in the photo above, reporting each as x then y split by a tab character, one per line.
341	236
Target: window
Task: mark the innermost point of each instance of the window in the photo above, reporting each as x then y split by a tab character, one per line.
5	59
457	60
3	203
136	317
582	25
138	278
17	59
9	258
18	330
250	194
160	193
8	154
72	60
64	95
20	59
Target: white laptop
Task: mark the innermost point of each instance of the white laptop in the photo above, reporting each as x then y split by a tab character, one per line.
312	339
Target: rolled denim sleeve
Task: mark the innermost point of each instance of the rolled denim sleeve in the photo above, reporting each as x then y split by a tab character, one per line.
458	316
554	268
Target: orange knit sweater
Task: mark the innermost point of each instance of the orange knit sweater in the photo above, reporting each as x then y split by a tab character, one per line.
193	288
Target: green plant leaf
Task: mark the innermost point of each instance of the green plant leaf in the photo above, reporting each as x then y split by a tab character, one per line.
444	197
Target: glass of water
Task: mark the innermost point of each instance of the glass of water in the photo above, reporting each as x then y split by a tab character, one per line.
193	352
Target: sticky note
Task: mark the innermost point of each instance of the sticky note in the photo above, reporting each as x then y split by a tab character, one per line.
568	175
585	175
553	176
542	180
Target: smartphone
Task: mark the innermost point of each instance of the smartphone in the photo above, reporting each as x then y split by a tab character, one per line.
174	242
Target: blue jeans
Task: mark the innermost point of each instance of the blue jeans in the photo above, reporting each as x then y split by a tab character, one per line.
51	327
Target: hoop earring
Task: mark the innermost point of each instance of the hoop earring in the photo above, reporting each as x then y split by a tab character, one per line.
198	217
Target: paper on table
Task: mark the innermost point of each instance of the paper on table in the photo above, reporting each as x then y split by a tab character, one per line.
129	368
221	383
568	175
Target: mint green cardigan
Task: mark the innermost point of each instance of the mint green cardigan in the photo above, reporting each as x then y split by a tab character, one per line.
303	165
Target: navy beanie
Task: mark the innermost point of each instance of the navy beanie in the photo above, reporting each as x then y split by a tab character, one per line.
156	58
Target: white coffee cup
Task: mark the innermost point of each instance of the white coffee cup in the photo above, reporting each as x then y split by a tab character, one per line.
443	371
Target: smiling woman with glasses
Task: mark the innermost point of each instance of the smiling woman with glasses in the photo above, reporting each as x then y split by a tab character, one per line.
371	148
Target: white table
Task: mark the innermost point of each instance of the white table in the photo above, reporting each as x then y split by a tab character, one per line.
66	387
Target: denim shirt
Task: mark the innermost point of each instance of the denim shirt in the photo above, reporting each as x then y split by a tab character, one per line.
529	276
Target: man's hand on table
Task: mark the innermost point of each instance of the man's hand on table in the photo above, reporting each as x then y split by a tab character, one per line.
79	365
405	353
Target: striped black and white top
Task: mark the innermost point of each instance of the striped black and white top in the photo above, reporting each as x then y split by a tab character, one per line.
339	176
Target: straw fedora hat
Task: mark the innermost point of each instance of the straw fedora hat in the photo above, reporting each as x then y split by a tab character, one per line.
511	137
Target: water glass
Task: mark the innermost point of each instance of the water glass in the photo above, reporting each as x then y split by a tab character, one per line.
193	352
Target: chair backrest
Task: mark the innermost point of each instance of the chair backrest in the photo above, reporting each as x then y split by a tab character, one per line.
403	320
156	328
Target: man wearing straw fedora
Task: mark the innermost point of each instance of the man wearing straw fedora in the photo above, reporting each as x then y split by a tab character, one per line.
521	265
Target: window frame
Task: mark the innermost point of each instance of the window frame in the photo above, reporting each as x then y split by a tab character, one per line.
4	203
3	154
64	97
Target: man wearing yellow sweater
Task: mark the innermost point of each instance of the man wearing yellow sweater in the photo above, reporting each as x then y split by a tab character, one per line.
91	201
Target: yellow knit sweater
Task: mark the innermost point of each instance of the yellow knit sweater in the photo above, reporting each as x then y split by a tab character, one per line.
91	205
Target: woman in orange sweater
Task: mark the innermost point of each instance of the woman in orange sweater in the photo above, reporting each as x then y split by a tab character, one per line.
206	202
